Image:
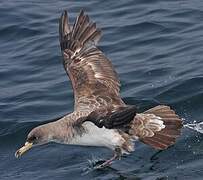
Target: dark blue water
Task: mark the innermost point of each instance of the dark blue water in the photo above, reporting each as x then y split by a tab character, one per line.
157	50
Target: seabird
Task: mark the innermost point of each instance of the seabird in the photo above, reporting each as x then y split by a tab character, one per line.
100	116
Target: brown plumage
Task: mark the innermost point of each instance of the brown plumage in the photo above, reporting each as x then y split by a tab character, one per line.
100	116
96	87
95	82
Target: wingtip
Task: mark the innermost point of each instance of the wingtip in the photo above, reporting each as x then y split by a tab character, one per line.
82	12
65	13
63	24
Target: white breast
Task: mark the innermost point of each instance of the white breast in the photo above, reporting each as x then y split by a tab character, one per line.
95	136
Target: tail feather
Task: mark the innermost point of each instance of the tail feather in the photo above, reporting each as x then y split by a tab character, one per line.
154	143
166	132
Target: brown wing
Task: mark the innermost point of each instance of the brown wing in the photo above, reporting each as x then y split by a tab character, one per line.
119	118
95	82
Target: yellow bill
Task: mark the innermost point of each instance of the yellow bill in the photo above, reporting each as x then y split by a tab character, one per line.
23	149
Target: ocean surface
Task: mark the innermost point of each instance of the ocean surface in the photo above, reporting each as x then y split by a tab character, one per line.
157	50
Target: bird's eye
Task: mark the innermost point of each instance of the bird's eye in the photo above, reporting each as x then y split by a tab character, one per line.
35	137
32	138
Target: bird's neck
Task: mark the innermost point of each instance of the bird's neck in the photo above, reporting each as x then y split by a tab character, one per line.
66	128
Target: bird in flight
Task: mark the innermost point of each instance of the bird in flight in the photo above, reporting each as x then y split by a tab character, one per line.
100	116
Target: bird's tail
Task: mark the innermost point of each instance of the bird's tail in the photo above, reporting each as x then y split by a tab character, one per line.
158	127
82	33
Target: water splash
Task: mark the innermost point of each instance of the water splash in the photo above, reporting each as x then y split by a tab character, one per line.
195	126
92	165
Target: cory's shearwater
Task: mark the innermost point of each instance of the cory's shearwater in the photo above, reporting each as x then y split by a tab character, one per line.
100	116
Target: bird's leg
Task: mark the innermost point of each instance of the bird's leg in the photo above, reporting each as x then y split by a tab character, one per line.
117	155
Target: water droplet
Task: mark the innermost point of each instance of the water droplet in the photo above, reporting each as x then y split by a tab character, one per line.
195	126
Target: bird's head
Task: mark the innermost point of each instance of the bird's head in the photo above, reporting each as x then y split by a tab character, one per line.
37	136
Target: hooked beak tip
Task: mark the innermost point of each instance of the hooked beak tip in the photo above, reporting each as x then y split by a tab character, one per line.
23	149
17	154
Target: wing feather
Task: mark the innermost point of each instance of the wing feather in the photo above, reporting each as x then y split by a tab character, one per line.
94	80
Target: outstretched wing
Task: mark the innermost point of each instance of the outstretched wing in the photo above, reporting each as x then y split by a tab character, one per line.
94	80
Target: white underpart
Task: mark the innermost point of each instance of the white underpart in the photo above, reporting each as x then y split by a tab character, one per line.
95	136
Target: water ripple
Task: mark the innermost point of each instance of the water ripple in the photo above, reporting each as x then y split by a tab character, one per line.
156	48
